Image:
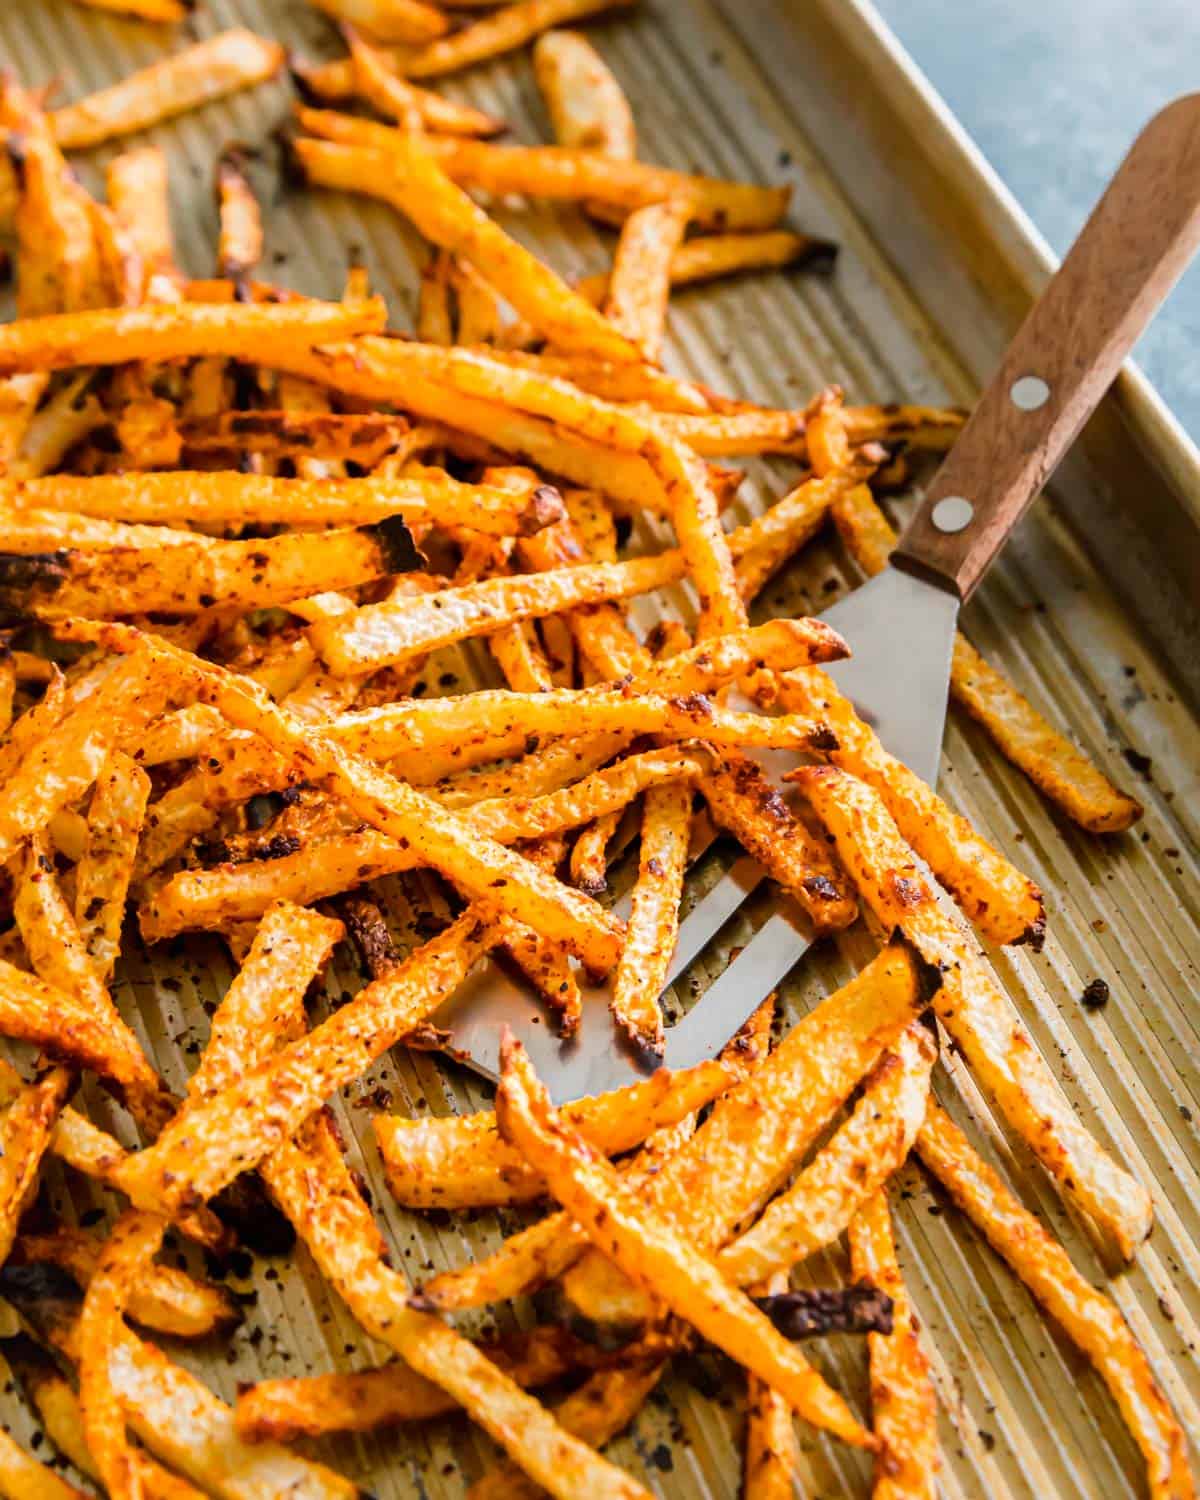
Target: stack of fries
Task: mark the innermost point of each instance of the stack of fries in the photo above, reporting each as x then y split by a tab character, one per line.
243	532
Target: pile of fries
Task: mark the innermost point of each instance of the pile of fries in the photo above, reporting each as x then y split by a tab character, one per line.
250	544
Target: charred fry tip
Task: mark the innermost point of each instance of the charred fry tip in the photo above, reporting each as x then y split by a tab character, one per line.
546	508
821	738
398	551
45	570
820	1311
1034	936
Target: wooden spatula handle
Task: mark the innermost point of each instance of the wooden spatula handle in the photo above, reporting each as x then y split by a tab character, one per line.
1067	352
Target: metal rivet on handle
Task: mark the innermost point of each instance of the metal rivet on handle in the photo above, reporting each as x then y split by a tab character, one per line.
952	514
1028	393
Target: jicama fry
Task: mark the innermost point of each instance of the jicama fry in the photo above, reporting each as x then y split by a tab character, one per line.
144	10
758	430
108	336
377	80
231	60
640	284
164	1298
714	255
363	438
26	1129
240	241
410	21
1056	767
587	107
652	1250
849	1168
772	1452
560	172
137	196
975	1011
187	580
1087	1316
507	29
435	324
462	1161
432	498
589	855
105	865
653	924
408	177
748	1147
903	1405
22	1477
131	1247
1005	905
480	317
627	382
771	538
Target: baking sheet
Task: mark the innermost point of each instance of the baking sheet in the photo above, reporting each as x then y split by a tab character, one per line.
758	89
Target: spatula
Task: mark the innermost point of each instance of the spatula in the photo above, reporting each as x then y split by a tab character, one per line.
901	624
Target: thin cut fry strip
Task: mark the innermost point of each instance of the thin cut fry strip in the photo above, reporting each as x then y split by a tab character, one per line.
22	1477
975	1010
587	106
231	60
903	1406
105	866
392	94
716	255
660	1257
1089	1318
640	284
25	1133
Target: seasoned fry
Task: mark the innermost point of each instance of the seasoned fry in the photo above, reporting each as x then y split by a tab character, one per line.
144	10
770	539
589	855
587	107
772	1453
25	1132
1056	767
1005	905
640	285
435	325
363	438
165	1298
24	1478
461	1161
137	196
390	20
748	1146
187	580
377	80
132	1245
642	383
653	916
654	1251
903	1406
857	1161
231	60
716	255
976	1011
516	506
1088	1317
408	177
114	335
105	865
240	246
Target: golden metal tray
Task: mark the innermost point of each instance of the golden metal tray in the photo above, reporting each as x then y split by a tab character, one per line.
1091	611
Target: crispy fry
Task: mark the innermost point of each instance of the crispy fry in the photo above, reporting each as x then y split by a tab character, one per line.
434	498
165	1298
587	107
231	60
976	1011
105	865
479	306
410	21
715	255
462	1162
379	83
1088	1317
434	322
903	1405
627	382
24	1478
589	855
1056	767
240	245
59	957
144	10
1006	906
308	436
134	1242
771	538
25	1132
408	177
560	172
857	1161
654	916
137	196
655	1253
756	430
749	1145
640	284
772	1452
187	580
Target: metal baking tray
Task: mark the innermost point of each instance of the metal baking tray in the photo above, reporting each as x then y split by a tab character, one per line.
1092	611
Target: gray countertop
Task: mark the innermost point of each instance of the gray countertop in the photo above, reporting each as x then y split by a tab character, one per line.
1053	92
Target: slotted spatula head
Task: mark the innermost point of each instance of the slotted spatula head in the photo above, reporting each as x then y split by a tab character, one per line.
901	625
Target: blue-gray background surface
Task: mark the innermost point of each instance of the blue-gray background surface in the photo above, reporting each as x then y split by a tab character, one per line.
1053	92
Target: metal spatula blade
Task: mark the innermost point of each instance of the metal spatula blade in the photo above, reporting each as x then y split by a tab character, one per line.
901	624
